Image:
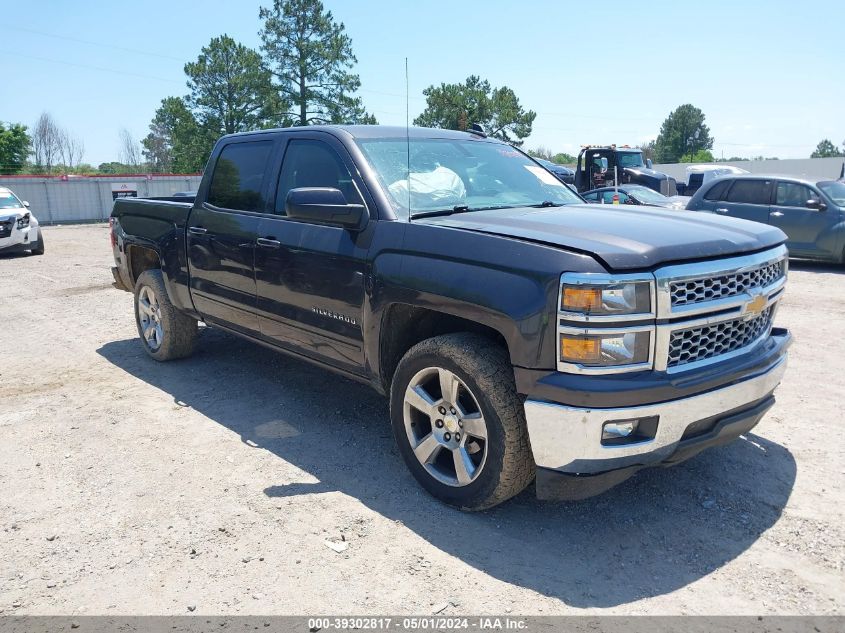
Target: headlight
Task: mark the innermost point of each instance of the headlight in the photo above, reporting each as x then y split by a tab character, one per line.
23	221
611	349
630	297
606	323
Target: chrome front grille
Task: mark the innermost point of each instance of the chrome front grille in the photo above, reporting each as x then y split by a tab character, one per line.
692	291
709	341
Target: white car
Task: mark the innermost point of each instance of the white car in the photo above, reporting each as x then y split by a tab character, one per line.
19	229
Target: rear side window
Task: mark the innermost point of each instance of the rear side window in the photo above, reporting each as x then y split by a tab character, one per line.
310	163
718	191
750	192
237	182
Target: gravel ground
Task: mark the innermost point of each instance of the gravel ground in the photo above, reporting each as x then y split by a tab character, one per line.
225	483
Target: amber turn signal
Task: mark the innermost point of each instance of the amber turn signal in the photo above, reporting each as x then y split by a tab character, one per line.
579	349
579	299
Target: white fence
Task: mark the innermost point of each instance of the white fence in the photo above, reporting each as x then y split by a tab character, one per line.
810	168
55	201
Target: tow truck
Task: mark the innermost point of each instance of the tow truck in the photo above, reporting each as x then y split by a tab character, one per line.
612	166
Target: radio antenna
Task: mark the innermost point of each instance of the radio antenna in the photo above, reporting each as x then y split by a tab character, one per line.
408	134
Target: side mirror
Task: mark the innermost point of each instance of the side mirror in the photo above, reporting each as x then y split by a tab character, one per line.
649	164
815	203
25	203
325	205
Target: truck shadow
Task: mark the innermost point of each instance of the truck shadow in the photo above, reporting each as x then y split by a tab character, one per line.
652	535
808	265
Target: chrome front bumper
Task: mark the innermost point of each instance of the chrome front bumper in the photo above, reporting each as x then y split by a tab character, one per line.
568	439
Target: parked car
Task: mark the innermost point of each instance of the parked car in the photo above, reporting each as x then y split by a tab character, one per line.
564	174
635	194
19	230
515	330
699	175
810	212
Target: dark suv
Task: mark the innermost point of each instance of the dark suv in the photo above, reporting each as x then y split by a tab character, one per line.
810	212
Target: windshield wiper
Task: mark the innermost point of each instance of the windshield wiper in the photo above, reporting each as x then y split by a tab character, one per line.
546	203
458	208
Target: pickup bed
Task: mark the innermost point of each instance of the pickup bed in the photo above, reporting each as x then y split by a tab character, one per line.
519	333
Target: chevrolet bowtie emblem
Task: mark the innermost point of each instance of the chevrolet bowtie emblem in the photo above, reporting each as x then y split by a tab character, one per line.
756	306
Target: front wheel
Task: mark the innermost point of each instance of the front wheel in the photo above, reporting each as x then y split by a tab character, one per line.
166	333
38	247
459	422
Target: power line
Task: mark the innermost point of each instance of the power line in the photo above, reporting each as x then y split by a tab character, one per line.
7	27
89	67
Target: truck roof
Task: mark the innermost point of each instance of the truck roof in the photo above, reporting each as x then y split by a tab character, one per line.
379	131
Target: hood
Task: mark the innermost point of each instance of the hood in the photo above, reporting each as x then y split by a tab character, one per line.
621	238
645	171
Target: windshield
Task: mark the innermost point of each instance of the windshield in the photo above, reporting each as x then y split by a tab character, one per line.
458	174
8	200
630	159
835	191
645	194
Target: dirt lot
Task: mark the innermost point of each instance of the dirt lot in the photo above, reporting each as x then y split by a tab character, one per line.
213	484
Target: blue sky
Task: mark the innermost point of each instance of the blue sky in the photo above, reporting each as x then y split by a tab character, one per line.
768	75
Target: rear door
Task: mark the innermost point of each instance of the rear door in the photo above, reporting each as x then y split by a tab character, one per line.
802	225
222	233
747	198
310	277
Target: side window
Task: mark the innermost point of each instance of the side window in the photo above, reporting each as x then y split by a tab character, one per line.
750	192
718	191
591	197
310	163
239	175
792	194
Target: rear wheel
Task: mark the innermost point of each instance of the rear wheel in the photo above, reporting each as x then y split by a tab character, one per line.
459	423
166	333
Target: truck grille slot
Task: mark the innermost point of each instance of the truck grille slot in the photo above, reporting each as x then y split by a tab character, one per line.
694	291
709	341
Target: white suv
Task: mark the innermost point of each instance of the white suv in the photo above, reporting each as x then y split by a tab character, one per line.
19	229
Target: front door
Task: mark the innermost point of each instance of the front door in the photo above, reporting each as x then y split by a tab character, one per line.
802	225
310	277
222	234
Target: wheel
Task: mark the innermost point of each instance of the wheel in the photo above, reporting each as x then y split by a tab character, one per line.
38	247
165	332
459	422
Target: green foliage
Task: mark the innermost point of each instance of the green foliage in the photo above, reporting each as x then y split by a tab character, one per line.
15	146
310	56
115	167
177	142
826	149
231	88
561	158
649	151
683	132
458	106
701	156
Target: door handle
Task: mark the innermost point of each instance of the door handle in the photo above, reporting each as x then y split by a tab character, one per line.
777	214
197	230
266	242
721	210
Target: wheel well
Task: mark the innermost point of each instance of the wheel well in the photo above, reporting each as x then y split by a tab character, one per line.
404	326
140	260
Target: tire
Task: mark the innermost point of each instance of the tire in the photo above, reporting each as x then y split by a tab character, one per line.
38	247
166	333
493	468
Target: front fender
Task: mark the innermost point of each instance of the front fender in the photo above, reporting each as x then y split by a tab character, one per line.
506	284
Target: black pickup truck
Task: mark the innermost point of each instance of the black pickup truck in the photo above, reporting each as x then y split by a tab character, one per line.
519	333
